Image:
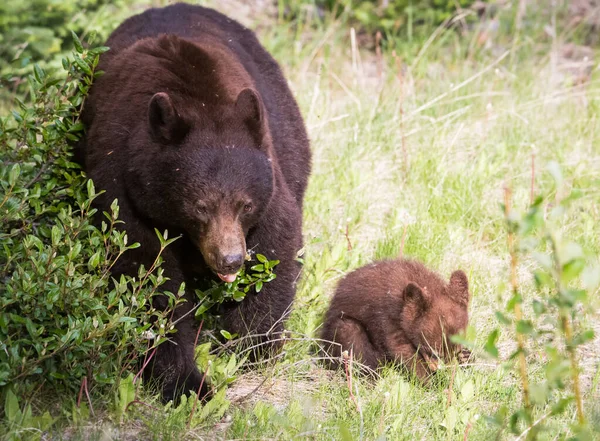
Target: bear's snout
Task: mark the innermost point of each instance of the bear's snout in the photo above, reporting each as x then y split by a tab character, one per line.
231	263
223	246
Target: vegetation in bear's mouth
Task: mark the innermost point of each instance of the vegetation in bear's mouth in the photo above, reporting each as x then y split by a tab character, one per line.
258	274
414	142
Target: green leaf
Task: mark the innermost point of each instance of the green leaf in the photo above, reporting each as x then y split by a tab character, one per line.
261	258
561	405
11	407
502	318
56	235
225	334
345	434
82	65
39	73
542	279
583	337
91	191
525	327
490	344
94	260
77	43
126	393
572	269
127	320
467	392
14	174
17	117
258	286
538	307
514	300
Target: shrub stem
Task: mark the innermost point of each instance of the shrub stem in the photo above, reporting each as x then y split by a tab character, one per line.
518	311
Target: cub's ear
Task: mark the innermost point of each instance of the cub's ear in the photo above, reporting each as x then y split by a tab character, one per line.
165	124
415	295
249	107
459	287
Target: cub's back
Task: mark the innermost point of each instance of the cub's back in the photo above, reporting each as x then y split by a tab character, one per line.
377	288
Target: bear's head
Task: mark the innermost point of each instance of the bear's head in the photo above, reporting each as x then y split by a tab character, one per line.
204	171
431	314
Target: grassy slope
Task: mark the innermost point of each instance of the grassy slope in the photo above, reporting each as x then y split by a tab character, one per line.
429	155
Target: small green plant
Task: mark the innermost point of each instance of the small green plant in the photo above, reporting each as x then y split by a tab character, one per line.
550	325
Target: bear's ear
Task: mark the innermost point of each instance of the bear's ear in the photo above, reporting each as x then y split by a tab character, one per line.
249	107
417	296
165	124
459	287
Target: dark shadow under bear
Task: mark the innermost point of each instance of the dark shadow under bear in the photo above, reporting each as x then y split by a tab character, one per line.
194	129
397	311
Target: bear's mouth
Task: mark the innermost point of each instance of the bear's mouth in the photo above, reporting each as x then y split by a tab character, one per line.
228	278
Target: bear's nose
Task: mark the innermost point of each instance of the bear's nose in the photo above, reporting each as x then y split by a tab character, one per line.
232	262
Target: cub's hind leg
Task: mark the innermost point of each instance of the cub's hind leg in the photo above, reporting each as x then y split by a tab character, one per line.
348	334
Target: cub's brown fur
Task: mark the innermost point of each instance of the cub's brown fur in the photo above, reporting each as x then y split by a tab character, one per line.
397	311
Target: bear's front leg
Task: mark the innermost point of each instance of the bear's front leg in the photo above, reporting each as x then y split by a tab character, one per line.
406	355
260	316
173	367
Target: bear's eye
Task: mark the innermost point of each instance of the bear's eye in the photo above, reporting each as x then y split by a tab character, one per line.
247	208
201	209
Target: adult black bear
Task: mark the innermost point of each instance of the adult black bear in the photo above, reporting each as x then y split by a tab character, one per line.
194	129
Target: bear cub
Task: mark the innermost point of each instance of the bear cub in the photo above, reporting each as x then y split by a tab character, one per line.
398	311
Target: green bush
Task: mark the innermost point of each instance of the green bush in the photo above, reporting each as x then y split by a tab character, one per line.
389	17
39	30
67	326
62	318
550	324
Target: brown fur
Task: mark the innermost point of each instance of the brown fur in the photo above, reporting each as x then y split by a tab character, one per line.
397	311
193	129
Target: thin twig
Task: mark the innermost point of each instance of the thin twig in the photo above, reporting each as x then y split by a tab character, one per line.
198	333
80	392
197	397
348	239
156	409
87	394
144	365
347	357
467	429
